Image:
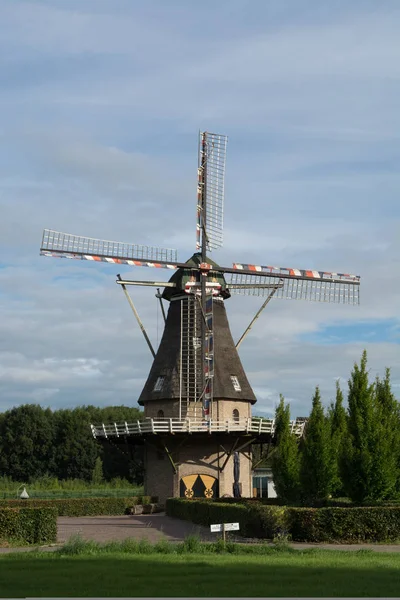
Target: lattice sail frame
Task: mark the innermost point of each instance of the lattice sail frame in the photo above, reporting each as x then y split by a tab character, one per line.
211	188
67	245
339	290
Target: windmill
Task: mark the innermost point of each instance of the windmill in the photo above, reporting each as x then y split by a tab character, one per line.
197	385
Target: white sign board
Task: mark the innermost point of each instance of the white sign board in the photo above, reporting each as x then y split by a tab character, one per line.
224	526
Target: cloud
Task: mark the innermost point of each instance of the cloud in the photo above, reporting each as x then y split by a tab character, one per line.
103	103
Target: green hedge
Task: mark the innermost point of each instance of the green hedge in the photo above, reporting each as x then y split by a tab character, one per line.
255	520
28	525
352	524
81	507
268	501
360	524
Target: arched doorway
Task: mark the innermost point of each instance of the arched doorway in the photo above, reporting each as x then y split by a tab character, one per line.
199	486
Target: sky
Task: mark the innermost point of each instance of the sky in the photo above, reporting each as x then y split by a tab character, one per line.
101	103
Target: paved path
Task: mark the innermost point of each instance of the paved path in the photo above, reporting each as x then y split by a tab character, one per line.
152	527
157	527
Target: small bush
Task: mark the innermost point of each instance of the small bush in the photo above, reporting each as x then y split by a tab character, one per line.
77	545
28	525
192	544
269	522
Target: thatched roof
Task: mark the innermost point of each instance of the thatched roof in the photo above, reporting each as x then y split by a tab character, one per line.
226	360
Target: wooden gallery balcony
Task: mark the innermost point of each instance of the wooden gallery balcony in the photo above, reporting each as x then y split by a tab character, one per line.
149	426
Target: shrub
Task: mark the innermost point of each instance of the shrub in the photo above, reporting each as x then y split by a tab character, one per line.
255	520
327	524
28	525
353	524
271	521
80	507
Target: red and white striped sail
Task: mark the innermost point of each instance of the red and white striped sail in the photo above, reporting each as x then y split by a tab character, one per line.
67	245
296	284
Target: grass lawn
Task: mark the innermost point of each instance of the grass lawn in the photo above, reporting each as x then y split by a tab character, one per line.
309	573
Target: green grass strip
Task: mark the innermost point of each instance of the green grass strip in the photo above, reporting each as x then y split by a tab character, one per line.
318	573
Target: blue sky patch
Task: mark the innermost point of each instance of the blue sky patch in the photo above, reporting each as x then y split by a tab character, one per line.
386	330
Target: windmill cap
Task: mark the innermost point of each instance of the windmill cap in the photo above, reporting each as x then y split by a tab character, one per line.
185	276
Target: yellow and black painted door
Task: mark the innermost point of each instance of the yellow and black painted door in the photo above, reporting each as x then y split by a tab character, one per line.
199	486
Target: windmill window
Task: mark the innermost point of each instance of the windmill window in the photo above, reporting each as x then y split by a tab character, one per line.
160	414
235	383
236	415
196	343
158	384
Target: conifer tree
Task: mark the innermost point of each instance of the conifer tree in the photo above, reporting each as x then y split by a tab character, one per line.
370	460
285	461
389	412
317	471
338	427
97	474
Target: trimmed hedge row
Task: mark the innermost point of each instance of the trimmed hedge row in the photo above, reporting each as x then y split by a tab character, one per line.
81	507
28	525
361	524
255	520
353	524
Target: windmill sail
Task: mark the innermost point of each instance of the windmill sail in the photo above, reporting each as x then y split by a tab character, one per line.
67	245
318	286
211	189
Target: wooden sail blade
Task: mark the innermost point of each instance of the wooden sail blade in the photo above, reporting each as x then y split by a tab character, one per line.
66	245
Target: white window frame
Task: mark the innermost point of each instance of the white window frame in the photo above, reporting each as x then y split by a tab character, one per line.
158	386
235	383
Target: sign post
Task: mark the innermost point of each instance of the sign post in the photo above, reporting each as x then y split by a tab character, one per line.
224	527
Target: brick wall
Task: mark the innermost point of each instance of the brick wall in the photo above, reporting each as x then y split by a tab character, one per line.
199	455
221	409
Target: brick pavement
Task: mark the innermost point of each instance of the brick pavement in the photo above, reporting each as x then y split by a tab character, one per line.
159	526
152	527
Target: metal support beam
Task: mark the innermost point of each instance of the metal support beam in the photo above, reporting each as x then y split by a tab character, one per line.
159	296
268	298
264	456
148	283
171	460
146	337
129	456
243	446
229	454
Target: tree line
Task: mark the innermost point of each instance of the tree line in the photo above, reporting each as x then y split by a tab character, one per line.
349	452
36	442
